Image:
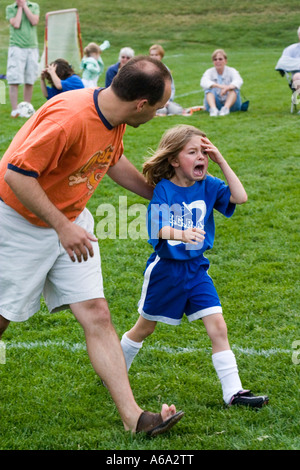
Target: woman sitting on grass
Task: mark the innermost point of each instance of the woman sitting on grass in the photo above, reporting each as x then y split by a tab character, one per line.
221	85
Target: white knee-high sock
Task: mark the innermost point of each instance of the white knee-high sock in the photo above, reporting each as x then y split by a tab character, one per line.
130	349
227	370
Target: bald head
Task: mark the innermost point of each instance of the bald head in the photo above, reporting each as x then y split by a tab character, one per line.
141	78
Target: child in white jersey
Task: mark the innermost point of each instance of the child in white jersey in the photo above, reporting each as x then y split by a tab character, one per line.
181	228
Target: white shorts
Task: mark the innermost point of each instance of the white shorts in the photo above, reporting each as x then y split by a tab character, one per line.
22	65
34	264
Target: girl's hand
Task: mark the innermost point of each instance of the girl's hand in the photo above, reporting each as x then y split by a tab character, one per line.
51	69
211	150
190	235
193	235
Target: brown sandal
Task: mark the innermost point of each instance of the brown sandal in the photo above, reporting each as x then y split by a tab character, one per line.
153	424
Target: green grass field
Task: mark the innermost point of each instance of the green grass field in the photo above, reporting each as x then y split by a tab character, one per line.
50	397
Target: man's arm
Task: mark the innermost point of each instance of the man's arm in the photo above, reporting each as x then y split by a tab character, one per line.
74	239
125	174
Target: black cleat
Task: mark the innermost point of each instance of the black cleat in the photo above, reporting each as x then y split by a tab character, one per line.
246	398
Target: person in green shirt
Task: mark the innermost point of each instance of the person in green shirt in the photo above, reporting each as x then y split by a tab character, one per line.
23	53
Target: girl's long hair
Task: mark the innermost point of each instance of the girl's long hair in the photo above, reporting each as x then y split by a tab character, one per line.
172	142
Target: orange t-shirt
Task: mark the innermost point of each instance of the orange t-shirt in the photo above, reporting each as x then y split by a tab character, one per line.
68	146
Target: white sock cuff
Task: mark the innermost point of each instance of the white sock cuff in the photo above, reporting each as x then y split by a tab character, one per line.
223	357
128	342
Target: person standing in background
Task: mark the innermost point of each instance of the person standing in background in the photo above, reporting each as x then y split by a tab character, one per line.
23	53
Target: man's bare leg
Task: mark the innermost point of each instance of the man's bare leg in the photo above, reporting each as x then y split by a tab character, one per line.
107	358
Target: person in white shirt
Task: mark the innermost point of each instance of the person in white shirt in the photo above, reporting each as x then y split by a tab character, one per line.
294	49
221	86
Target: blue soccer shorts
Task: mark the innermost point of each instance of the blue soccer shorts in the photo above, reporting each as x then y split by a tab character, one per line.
173	288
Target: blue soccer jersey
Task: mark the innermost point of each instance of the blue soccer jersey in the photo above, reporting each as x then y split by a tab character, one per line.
71	83
187	207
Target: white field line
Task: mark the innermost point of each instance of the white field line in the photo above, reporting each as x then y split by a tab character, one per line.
182	95
73	347
172	56
193	92
246	351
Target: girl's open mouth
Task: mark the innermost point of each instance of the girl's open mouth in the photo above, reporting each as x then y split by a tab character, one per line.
199	170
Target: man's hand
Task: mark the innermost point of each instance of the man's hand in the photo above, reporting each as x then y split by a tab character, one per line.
76	241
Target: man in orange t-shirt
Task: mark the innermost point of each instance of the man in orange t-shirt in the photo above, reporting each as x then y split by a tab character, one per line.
79	159
47	175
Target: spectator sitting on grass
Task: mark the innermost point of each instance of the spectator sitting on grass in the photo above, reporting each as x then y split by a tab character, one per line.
221	85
